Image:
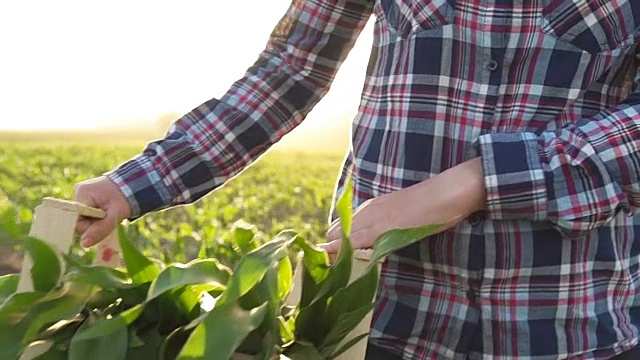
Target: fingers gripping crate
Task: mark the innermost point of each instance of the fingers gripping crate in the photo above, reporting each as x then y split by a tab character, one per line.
54	221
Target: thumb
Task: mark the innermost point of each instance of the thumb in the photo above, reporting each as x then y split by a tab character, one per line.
99	230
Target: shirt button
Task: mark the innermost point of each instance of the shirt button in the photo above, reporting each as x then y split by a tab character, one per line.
492	65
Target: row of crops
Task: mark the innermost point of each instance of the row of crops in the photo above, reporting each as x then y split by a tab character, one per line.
211	280
284	190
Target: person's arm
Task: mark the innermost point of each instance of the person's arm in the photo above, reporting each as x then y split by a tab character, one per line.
578	177
218	139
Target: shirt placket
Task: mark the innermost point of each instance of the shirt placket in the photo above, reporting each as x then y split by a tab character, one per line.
494	61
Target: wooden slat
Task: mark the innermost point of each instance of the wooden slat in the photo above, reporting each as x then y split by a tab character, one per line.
56	227
77	207
363	254
362	259
109	252
54	221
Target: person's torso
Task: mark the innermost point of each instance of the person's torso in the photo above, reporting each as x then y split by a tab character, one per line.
441	74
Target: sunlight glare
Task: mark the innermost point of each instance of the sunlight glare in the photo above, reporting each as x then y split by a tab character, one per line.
79	64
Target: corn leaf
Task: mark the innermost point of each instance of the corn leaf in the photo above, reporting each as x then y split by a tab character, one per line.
111	346
305	351
254	266
196	272
285	278
221	332
46	269
345	323
244	237
139	267
106	327
100	276
25	315
8	286
312	322
358	295
348	345
396	239
54	353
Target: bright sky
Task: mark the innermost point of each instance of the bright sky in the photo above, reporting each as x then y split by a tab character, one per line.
84	64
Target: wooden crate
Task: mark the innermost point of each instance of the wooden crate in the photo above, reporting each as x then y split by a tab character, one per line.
54	221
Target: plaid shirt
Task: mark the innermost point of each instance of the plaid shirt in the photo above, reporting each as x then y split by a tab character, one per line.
543	90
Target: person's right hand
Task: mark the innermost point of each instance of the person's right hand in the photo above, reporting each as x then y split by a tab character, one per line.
103	194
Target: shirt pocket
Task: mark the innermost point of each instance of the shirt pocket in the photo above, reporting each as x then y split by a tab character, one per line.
406	18
594	26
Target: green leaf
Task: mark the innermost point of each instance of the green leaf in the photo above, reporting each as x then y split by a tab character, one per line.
341	269
100	276
9	223
221	332
8	286
140	268
54	353
59	308
348	345
309	288
59	334
16	306
269	290
203	253
315	259
173	344
344	207
286	329
396	239
358	295
105	327
301	351
25	315
196	272
244	237
46	268
191	300
285	278
146	346
312	323
111	346
346	322
253	267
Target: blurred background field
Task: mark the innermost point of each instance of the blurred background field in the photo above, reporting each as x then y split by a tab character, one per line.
79	95
290	187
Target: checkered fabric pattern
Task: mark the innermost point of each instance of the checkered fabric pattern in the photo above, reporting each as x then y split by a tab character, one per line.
544	91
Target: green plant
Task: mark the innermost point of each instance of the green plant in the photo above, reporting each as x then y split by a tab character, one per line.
197	310
35	166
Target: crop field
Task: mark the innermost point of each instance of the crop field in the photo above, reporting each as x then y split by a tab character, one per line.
210	280
286	189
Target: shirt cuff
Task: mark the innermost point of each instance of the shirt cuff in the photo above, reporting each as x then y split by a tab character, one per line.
514	177
141	183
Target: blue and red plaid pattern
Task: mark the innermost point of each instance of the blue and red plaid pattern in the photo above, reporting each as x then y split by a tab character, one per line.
545	91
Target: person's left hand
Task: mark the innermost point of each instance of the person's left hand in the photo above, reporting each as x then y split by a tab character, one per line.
447	199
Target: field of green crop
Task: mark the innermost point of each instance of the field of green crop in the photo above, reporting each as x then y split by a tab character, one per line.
285	189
